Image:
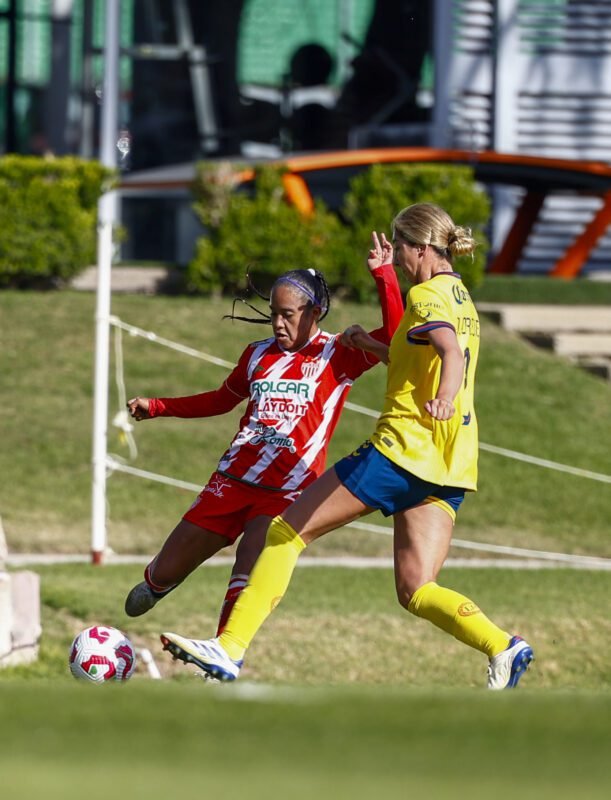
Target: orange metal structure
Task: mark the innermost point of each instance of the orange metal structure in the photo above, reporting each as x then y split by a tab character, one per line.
539	176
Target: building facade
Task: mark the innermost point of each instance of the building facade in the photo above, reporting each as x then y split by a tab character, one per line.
262	78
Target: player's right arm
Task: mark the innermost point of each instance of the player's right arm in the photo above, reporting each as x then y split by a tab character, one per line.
207	404
446	346
379	263
355	336
373	346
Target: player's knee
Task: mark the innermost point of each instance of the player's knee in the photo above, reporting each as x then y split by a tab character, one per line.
403	595
406	587
279	532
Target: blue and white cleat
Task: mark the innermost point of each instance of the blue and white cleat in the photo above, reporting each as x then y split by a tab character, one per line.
506	668
207	654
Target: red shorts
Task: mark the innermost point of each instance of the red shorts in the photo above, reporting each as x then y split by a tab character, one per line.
224	505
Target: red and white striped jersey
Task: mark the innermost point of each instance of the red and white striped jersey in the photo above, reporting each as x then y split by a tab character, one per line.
294	402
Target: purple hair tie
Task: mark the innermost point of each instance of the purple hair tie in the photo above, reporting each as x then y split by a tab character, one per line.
301	288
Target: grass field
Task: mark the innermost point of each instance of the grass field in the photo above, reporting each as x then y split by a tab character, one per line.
69	742
527	400
343	695
330	613
540	289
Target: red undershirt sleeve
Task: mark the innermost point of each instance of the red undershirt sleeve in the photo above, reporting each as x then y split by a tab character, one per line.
207	404
391	303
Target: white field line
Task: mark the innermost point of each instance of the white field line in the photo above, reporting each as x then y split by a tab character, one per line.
520	552
347	562
587	562
502	451
591	562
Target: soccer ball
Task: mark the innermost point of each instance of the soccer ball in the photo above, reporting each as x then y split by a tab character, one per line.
100	654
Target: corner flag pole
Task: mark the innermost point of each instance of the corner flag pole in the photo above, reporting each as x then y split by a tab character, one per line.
106	218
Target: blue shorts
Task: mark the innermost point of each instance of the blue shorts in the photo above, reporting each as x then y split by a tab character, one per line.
380	483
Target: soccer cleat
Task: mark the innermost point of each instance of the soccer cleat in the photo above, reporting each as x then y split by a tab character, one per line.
207	654
141	599
208	679
506	668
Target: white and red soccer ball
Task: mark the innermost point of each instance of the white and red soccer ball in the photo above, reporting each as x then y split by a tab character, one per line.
100	654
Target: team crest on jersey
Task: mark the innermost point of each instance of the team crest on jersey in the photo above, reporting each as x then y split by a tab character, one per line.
267	434
461	295
216	487
309	367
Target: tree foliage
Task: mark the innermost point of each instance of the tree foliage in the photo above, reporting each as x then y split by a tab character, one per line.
254	226
48	210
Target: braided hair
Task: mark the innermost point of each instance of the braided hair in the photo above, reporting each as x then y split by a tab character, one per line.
310	283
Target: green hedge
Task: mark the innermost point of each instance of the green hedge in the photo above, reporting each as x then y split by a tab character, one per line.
260	230
375	196
48	211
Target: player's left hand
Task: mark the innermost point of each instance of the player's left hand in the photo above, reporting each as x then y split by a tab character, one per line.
380	253
440	409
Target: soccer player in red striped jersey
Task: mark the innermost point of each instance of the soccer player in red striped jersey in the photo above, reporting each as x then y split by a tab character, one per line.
295	383
416	467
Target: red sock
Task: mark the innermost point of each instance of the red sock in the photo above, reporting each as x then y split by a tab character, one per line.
234	589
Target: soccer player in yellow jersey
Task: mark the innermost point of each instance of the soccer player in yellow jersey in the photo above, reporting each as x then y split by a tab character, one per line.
417	466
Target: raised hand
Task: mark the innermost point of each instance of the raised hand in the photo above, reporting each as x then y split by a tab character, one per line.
381	251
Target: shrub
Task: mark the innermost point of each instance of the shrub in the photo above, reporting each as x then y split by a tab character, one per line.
375	197
258	231
48	210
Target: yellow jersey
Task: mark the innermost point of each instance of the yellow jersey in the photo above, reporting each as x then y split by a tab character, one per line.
442	452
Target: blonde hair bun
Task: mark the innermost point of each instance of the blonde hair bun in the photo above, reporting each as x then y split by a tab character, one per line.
461	241
427	223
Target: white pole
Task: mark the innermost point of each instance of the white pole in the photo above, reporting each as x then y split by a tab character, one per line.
443	57
106	218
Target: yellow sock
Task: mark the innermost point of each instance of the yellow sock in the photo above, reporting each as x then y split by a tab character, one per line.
265	588
458	616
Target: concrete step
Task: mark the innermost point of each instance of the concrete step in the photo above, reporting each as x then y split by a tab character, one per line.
581	345
526	318
144	280
581	333
601	367
573	345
